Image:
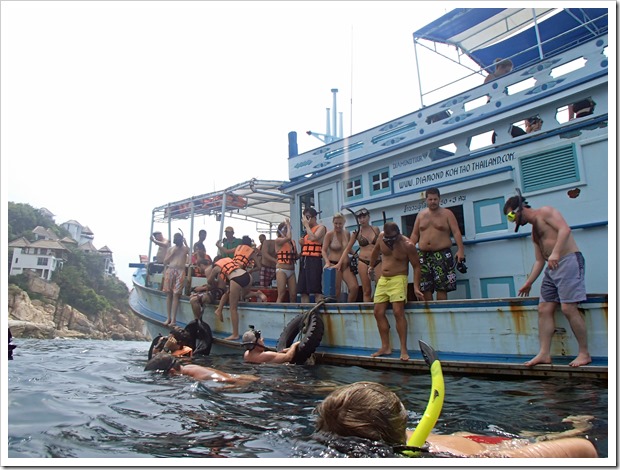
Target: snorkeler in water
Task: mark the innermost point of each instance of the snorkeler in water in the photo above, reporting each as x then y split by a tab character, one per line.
370	410
171	365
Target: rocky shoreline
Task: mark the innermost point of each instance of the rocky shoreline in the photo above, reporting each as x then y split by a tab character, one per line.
48	318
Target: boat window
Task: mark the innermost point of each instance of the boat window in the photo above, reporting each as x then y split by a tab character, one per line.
379	181
353	188
581	108
305	200
326	207
532	124
408	221
520	86
568	67
489	215
473	104
497	287
440	116
480	140
444	151
561	114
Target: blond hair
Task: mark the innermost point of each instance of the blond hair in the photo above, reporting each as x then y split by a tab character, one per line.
363	409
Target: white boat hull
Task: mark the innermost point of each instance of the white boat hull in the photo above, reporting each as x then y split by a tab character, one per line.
470	335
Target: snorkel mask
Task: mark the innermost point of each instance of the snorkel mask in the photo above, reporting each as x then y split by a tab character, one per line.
389	241
250	343
515	214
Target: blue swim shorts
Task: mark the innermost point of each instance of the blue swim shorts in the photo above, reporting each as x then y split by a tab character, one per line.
566	284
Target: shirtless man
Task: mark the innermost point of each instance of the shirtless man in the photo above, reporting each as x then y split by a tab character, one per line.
206	293
397	252
268	255
162	245
174	277
256	351
168	364
431	232
564	280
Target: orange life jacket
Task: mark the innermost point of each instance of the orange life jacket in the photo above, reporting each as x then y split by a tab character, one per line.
312	248
227	265
184	351
242	255
287	253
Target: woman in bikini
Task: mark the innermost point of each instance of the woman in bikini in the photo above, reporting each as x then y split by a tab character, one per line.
366	236
286	255
333	249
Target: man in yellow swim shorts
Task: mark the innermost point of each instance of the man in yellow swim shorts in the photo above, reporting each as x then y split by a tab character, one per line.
397	252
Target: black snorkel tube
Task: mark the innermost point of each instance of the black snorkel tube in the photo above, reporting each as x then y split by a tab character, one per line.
359	227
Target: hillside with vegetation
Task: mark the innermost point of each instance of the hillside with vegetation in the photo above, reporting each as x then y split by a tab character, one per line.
82	283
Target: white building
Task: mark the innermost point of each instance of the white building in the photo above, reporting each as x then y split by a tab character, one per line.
79	232
42	256
47	252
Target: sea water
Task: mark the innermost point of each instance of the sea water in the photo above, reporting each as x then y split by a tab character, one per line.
76	399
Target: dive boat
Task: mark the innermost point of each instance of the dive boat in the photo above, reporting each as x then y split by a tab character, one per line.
473	146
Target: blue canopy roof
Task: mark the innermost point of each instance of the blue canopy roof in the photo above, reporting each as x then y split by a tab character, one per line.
485	34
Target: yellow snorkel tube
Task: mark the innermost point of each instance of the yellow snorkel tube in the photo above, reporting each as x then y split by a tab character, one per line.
435	402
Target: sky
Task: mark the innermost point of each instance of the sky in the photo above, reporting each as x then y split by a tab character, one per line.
109	109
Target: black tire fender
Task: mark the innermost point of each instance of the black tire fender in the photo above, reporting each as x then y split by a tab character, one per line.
311	335
202	337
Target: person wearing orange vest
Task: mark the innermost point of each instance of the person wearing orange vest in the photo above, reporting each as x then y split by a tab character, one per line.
311	266
286	255
239	282
245	254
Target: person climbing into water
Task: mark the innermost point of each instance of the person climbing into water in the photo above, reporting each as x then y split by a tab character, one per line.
563	283
397	252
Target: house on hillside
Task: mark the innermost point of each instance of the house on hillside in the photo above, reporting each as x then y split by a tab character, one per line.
80	233
47	253
42	233
109	262
43	256
46	213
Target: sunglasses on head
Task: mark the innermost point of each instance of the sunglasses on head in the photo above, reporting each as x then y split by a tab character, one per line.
363	214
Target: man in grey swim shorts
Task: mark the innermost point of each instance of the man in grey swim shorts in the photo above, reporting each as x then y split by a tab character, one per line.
564	280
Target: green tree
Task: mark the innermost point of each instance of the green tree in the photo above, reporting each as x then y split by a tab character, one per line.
82	282
23	218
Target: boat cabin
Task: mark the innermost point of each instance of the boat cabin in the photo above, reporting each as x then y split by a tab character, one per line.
542	128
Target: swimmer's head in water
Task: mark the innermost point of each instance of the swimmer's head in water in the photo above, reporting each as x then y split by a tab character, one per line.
250	338
163	362
363	409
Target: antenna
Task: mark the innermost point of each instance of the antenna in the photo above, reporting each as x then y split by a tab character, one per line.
351	104
329	137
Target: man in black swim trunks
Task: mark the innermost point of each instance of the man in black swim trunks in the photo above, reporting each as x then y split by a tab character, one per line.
431	231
